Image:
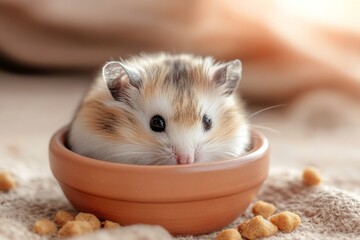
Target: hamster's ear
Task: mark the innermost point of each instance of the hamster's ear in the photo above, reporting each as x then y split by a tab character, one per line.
227	76
120	79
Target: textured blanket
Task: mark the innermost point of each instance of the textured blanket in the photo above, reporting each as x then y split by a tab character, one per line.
321	130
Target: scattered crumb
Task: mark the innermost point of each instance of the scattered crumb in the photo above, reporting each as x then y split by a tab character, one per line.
44	227
286	221
264	209
257	227
72	228
7	182
229	234
311	176
70	225
110	224
91	218
62	217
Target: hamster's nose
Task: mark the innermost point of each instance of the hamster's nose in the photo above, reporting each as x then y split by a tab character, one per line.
184	159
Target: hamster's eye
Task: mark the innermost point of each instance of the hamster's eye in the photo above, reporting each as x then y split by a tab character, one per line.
157	123
206	121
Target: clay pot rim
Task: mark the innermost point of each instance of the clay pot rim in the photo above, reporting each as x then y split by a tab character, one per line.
260	146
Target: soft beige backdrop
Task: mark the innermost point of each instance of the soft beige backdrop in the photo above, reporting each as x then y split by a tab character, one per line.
288	47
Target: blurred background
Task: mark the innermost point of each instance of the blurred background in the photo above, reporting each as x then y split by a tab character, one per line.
301	56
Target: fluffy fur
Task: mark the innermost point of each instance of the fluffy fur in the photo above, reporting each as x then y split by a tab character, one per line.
113	120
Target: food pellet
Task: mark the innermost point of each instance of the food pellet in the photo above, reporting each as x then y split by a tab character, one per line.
91	218
229	234
311	176
257	227
264	209
62	217
110	224
44	227
286	221
73	228
7	182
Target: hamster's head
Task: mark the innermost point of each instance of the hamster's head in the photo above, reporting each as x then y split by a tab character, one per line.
168	110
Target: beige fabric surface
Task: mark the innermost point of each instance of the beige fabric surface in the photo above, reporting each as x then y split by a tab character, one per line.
321	129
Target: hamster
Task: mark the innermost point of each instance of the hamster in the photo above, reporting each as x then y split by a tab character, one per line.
162	109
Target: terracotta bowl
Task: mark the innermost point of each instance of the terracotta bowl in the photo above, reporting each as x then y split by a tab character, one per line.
184	199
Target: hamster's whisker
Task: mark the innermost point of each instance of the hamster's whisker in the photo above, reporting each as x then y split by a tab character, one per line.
161	161
267	123
223	154
266	109
162	156
220	146
215	141
265	128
